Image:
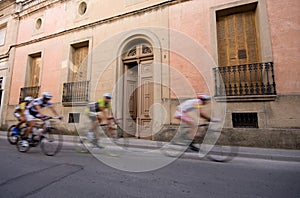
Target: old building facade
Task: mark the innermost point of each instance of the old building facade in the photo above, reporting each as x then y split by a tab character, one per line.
152	54
8	29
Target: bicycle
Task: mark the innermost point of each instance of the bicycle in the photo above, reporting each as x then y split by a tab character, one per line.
49	138
107	143
12	136
208	144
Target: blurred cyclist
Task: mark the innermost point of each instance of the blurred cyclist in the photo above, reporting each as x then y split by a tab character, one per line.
188	106
98	112
34	111
19	113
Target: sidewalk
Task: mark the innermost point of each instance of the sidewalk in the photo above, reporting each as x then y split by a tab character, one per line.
247	152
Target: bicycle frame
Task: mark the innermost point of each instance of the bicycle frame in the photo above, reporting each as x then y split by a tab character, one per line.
46	136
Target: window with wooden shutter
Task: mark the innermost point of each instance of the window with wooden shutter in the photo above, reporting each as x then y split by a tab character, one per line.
78	70
237	46
33	70
236	36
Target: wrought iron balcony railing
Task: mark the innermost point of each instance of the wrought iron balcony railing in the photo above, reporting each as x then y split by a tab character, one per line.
75	92
245	80
29	91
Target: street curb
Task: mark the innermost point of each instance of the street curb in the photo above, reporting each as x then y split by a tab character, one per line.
244	152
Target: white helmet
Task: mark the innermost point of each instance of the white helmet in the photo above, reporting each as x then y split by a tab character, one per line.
47	96
28	99
107	95
203	97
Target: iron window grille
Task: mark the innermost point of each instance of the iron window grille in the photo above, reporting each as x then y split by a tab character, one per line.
244	120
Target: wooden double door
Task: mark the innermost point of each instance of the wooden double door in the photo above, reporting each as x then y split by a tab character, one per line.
138	98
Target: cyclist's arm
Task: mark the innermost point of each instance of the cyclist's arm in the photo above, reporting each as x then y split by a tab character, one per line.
53	110
38	108
203	115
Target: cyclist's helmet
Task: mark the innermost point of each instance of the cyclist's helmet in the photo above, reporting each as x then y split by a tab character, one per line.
28	99
203	97
107	95
47	96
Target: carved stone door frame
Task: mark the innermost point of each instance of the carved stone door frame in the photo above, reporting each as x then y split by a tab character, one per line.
126	46
138	90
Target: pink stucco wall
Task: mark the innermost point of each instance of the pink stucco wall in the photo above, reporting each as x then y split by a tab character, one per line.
53	21
284	18
193	19
50	78
52	49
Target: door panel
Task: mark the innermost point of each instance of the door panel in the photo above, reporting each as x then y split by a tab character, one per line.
130	98
145	101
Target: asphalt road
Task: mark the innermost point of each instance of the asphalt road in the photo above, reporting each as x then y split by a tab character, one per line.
72	174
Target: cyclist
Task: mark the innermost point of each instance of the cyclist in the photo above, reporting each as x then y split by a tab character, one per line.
99	111
188	106
33	111
19	113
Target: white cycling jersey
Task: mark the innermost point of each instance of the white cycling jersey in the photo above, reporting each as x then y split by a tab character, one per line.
38	101
189	105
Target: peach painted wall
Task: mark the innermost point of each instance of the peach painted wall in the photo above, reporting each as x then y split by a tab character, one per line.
284	18
193	19
50	68
51	49
53	21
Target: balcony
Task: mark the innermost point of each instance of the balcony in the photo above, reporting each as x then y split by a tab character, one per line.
29	91
251	81
75	93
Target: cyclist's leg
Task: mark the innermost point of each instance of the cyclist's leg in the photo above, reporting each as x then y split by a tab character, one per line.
22	120
188	120
18	116
110	127
93	135
92	131
30	123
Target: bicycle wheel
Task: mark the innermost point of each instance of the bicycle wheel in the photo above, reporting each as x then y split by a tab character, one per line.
51	141
22	145
176	147
222	153
110	143
12	137
82	144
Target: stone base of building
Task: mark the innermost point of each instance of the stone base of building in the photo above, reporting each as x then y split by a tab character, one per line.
263	138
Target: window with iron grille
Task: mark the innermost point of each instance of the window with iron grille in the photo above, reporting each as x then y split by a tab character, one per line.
244	120
74	117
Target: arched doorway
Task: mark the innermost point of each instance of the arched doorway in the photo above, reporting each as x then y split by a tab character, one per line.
138	88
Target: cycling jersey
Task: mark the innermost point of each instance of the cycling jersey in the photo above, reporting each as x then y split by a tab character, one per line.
20	107
190	105
185	107
102	104
39	101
